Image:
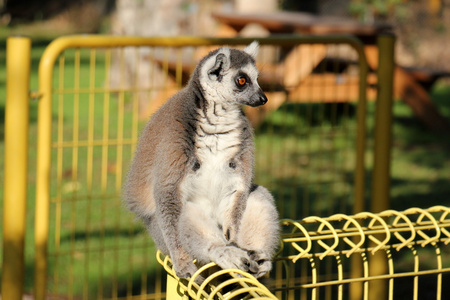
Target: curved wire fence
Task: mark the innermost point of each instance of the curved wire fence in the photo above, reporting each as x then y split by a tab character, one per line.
422	235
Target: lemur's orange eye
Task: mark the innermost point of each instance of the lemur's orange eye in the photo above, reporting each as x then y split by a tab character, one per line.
242	81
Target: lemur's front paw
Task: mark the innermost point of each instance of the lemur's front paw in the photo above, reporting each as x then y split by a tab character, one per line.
231	257
185	269
261	263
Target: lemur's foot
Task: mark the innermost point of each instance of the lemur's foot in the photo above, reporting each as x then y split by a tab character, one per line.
232	257
184	269
261	265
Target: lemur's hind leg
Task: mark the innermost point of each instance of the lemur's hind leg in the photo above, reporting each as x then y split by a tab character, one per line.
254	245
259	229
183	262
206	241
151	223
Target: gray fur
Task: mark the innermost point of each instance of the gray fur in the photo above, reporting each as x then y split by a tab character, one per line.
191	177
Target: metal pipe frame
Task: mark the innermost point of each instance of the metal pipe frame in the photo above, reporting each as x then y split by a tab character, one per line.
18	51
46	66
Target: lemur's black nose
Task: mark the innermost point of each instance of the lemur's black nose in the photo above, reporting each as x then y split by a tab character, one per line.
263	99
257	99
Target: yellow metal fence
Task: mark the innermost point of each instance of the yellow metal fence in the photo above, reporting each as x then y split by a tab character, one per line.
95	93
419	236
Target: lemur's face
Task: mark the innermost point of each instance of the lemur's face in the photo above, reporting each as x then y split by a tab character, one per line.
244	86
231	76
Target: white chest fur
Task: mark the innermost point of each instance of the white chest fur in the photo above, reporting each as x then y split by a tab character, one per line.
217	142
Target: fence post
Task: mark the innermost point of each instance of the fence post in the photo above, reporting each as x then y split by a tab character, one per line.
382	152
18	51
383	125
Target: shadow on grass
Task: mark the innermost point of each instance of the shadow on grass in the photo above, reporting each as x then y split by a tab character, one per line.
424	155
98	234
426	287
294	117
434	193
135	284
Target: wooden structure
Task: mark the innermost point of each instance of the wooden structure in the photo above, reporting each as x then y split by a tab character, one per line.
410	85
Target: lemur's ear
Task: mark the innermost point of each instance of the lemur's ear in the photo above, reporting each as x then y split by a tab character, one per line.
221	65
252	49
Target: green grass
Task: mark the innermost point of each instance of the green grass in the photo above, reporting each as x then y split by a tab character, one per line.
301	161
420	158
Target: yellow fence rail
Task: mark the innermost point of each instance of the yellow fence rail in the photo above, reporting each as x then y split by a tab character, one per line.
88	125
418	233
218	284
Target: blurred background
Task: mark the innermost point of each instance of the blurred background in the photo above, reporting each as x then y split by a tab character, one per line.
421	26
420	155
420	165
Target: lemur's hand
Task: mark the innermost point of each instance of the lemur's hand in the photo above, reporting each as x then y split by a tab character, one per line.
262	263
184	266
232	257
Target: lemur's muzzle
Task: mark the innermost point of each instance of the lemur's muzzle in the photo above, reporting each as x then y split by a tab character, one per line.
258	99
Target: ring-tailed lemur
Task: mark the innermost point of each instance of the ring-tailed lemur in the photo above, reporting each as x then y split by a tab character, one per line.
191	177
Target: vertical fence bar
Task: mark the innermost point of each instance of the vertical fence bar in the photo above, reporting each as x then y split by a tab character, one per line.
382	152
43	171
18	51
361	137
383	124
356	289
